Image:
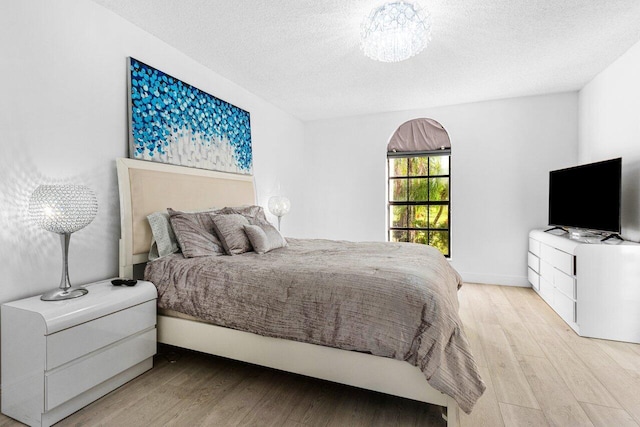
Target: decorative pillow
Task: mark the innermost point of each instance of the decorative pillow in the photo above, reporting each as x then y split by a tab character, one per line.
163	239
195	233
255	214
229	229
264	237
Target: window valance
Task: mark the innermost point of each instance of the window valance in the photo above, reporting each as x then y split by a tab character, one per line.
419	136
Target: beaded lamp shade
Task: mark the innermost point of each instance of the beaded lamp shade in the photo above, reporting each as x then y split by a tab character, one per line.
279	206
63	208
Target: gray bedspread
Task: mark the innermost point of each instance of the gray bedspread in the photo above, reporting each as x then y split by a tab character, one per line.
395	300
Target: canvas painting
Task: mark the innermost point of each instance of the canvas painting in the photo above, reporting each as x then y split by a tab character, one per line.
173	122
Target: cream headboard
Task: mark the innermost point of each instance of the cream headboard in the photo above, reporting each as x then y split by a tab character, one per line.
147	187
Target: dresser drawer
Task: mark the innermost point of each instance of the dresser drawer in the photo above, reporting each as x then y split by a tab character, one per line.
534	279
69	344
546	291
560	260
566	284
533	262
69	381
547	271
564	306
534	246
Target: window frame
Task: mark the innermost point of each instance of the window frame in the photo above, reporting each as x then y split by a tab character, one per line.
427	203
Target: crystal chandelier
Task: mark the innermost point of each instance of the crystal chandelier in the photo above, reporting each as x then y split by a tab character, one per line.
395	31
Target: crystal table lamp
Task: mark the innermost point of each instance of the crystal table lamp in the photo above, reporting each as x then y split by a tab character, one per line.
63	209
279	206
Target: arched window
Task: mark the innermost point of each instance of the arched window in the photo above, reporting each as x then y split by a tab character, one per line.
419	176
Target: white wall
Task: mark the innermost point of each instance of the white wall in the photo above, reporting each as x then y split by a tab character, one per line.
63	119
502	152
609	111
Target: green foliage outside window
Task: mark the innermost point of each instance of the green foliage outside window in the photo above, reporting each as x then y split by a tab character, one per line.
419	200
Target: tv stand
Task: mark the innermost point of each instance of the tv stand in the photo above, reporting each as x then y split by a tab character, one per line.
592	286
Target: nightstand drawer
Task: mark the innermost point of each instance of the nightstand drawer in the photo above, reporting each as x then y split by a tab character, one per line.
68	382
69	344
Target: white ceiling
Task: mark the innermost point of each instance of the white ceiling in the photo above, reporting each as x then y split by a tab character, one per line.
304	55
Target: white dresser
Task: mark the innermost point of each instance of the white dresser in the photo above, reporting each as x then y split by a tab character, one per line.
594	287
59	356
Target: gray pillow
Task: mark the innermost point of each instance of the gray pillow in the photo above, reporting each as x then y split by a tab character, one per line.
255	214
195	233
163	239
229	229
264	237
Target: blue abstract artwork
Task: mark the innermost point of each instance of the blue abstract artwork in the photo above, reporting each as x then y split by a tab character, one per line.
173	122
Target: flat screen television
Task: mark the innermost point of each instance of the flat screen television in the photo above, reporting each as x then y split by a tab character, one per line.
586	196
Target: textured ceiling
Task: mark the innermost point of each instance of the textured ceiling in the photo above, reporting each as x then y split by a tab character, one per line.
304	55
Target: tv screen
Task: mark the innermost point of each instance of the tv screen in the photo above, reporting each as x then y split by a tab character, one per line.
586	196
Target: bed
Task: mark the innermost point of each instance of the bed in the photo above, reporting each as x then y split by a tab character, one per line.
147	187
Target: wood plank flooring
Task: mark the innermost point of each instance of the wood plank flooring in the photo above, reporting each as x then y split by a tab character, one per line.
537	370
542	373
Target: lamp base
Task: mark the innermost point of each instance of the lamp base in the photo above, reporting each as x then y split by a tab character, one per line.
62	294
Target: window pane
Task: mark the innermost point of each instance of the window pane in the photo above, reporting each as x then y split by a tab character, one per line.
439	189
418	217
418	190
399	236
439	216
398	166
398	216
412	198
419	166
419	236
440	240
397	190
439	165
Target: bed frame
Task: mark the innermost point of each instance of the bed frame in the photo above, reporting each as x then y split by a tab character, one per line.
147	187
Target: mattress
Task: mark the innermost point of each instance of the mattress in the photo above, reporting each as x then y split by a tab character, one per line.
396	300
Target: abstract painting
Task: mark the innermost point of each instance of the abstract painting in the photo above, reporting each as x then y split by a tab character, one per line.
173	122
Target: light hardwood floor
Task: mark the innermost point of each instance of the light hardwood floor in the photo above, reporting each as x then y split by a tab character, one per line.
537	370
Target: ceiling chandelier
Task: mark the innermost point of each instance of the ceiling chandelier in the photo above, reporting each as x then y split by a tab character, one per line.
395	31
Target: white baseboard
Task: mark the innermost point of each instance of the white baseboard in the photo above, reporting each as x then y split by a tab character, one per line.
495	279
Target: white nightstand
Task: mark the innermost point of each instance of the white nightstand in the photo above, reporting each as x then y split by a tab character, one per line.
59	356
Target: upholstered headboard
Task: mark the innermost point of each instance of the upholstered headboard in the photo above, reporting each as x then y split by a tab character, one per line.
147	187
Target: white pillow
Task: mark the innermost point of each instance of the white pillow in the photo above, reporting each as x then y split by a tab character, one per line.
163	239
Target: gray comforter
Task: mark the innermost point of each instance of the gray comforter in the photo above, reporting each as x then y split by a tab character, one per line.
395	300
